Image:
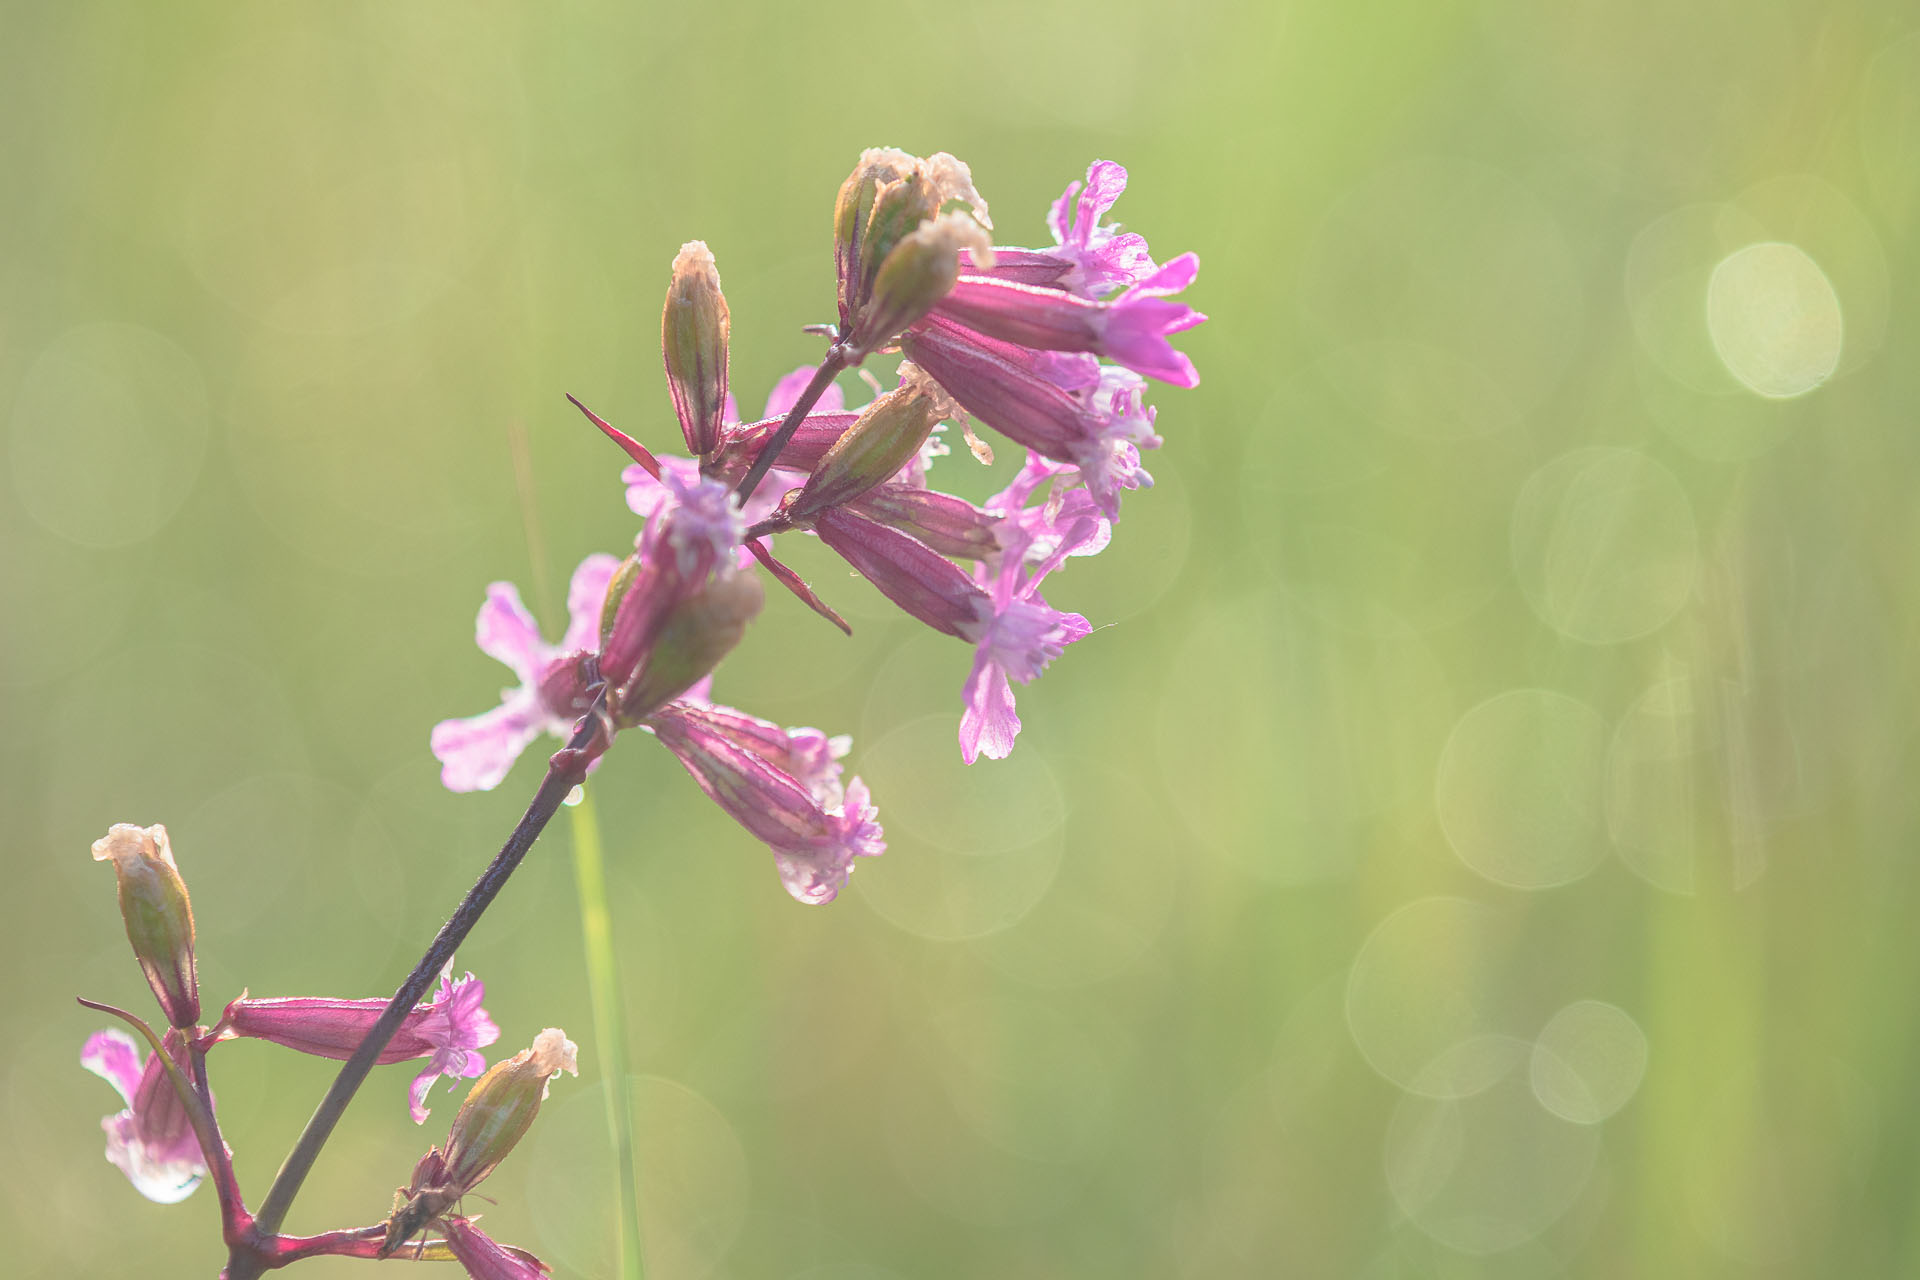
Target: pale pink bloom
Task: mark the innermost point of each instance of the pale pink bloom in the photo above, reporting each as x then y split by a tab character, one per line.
1089	259
1018	633
152	1141
1017	639
447	1030
1104	258
476	753
1131	329
783	786
1064	406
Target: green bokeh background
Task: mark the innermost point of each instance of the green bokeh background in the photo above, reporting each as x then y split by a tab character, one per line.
1485	650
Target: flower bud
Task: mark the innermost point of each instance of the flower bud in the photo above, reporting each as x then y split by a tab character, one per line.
696	635
693	342
501	1107
952	526
916	274
851	212
158	915
617	587
884	439
888	201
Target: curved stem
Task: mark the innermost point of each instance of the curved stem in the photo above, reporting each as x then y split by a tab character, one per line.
838	357
565	771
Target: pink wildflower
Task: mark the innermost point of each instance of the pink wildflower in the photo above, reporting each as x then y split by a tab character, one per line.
783	786
1018	634
1131	329
447	1030
152	1142
476	753
1090	260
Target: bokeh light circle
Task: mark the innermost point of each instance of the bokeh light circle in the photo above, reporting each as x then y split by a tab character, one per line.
1656	783
1488	1172
108	434
1775	320
1280	738
1588	1061
1447	297
969	850
1518	789
1604	544
1419	997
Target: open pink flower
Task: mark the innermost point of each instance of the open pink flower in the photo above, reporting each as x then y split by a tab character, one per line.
783	786
1090	259
447	1030
476	753
1018	633
1064	405
151	1141
1131	329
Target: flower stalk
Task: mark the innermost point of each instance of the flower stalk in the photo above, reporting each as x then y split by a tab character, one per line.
566	770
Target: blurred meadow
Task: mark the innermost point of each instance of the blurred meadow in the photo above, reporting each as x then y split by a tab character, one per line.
1479	841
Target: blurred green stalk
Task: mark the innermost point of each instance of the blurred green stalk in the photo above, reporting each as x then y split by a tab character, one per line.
609	1022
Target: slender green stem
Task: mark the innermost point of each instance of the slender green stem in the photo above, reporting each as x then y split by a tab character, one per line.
565	770
609	1024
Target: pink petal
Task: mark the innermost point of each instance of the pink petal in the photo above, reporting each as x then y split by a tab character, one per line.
506	632
161	1177
477	753
787	391
988	725
585	595
113	1057
417	1094
1106	180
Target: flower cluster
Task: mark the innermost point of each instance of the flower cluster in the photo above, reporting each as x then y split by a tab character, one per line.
1051	347
166	1139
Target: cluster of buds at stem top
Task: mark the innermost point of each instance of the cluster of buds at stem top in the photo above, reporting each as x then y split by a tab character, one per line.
901	227
1051	346
497	1113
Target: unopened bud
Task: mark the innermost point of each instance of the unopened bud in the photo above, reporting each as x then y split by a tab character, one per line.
158	915
890	199
693	341
851	212
919	271
501	1107
617	588
691	642
886	437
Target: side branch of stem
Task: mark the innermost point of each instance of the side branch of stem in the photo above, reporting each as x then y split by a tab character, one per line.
565	771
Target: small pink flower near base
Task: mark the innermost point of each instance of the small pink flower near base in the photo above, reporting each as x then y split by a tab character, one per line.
448	1031
476	753
152	1141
